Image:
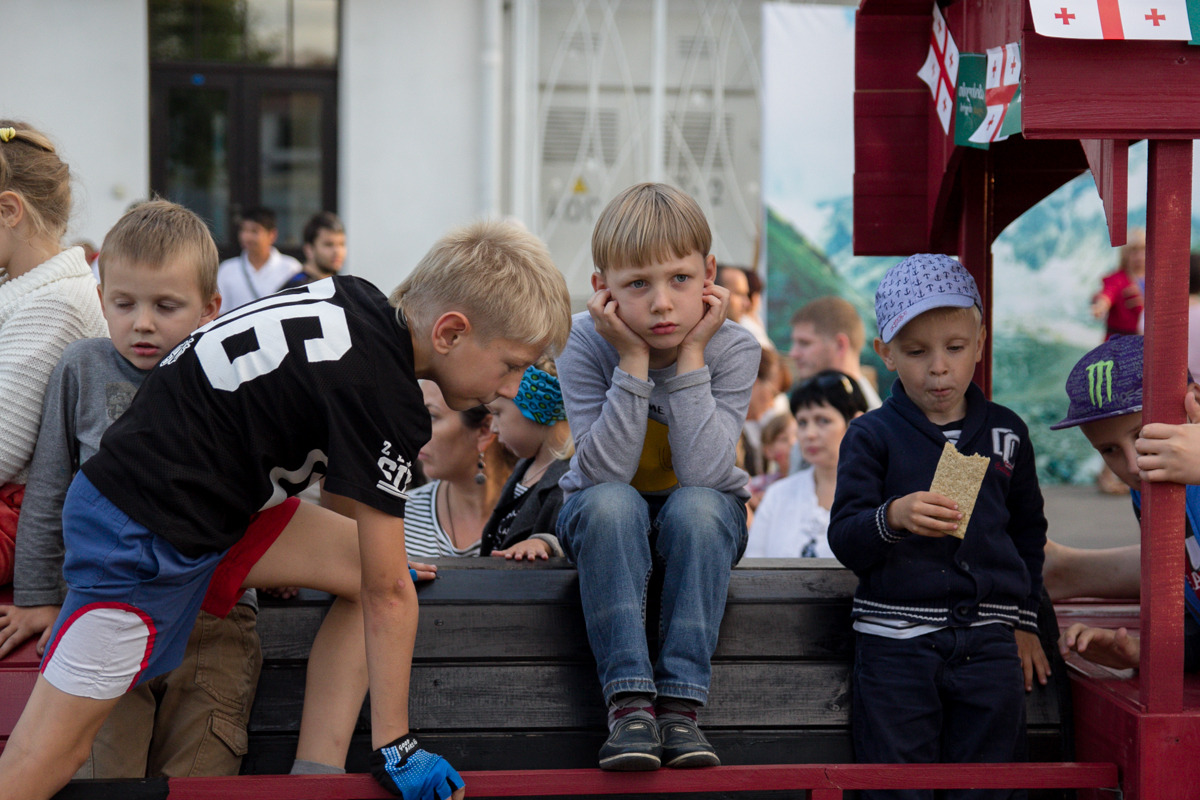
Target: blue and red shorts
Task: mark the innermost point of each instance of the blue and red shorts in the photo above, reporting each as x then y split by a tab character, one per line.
132	598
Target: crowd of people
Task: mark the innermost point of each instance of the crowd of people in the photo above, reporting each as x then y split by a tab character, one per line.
161	425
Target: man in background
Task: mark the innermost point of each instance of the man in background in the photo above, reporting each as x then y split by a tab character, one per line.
260	270
828	333
324	249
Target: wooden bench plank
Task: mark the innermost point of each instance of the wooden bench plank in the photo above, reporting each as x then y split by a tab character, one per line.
814	630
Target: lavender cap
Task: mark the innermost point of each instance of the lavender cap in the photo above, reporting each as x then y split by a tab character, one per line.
1107	382
920	283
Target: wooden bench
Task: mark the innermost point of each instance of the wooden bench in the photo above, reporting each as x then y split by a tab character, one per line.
503	677
504	682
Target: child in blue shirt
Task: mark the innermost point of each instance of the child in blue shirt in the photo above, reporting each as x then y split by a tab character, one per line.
938	668
1105	393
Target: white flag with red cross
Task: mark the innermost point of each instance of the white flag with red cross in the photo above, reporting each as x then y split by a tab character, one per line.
1002	86
940	71
1173	20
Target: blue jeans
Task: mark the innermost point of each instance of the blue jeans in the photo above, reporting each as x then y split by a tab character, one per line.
952	696
614	535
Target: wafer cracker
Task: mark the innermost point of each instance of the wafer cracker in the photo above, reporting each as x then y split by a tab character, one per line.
959	477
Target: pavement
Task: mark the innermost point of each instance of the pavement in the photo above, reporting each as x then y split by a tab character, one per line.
1083	516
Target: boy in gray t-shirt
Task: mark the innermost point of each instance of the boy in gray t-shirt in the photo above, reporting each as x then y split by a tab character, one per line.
656	385
163	727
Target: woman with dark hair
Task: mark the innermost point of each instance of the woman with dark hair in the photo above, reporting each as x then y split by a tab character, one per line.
793	517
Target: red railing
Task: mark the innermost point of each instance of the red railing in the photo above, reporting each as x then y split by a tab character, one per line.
821	781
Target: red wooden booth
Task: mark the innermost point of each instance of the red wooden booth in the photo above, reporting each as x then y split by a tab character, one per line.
1084	102
914	190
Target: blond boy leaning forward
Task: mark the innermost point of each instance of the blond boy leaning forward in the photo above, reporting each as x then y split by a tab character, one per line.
244	413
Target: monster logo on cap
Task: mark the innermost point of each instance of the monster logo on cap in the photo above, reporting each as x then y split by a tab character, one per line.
1100	382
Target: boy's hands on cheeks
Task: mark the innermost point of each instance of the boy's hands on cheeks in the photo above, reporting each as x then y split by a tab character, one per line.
924	513
691	349
1172	452
18	623
632	350
1033	658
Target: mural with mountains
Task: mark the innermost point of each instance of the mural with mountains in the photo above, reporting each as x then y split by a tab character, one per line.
1048	264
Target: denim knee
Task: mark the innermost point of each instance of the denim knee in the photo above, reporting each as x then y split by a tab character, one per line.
615	510
714	522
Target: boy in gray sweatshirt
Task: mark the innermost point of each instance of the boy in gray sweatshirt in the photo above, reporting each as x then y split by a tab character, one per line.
165	726
656	385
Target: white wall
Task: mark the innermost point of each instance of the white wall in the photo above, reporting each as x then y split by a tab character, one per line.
410	94
77	70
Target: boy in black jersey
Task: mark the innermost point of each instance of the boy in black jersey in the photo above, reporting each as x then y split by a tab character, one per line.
314	382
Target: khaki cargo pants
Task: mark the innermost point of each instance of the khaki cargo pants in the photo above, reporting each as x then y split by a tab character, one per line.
191	721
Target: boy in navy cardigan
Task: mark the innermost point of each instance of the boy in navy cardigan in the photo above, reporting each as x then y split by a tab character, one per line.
945	626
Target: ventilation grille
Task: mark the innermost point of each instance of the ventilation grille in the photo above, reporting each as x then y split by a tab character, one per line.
699	47
582	43
563	139
696	129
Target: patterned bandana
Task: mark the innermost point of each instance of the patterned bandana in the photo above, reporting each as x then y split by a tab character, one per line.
540	398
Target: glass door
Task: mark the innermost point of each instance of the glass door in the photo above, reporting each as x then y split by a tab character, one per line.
228	138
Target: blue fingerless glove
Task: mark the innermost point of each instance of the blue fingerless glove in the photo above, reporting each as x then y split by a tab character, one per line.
404	769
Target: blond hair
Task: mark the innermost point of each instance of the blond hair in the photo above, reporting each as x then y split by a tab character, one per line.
1136	240
156	232
649	223
830	316
500	276
30	166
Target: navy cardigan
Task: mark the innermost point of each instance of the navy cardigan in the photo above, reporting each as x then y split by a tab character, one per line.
994	573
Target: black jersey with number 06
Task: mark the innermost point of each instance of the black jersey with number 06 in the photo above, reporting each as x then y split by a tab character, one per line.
252	407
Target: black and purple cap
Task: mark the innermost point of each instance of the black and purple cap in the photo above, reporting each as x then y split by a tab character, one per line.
918	284
1107	382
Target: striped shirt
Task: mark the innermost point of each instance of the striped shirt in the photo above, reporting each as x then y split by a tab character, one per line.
424	536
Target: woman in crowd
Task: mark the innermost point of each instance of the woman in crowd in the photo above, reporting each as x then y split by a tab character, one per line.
793	517
467	467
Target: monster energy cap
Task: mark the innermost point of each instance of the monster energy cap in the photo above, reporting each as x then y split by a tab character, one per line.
1107	382
918	284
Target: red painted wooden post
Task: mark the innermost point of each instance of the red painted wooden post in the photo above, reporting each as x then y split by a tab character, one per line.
1168	240
1109	162
975	235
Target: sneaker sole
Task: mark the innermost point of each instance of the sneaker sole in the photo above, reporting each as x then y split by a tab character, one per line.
694	760
631	762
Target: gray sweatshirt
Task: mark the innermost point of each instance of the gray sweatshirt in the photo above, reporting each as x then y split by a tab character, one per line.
662	433
91	386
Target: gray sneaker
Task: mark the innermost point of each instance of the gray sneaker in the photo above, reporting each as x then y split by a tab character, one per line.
684	746
633	746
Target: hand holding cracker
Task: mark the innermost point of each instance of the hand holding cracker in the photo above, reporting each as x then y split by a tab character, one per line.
959	478
925	514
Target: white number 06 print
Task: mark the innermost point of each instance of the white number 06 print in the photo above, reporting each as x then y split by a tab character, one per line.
266	320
